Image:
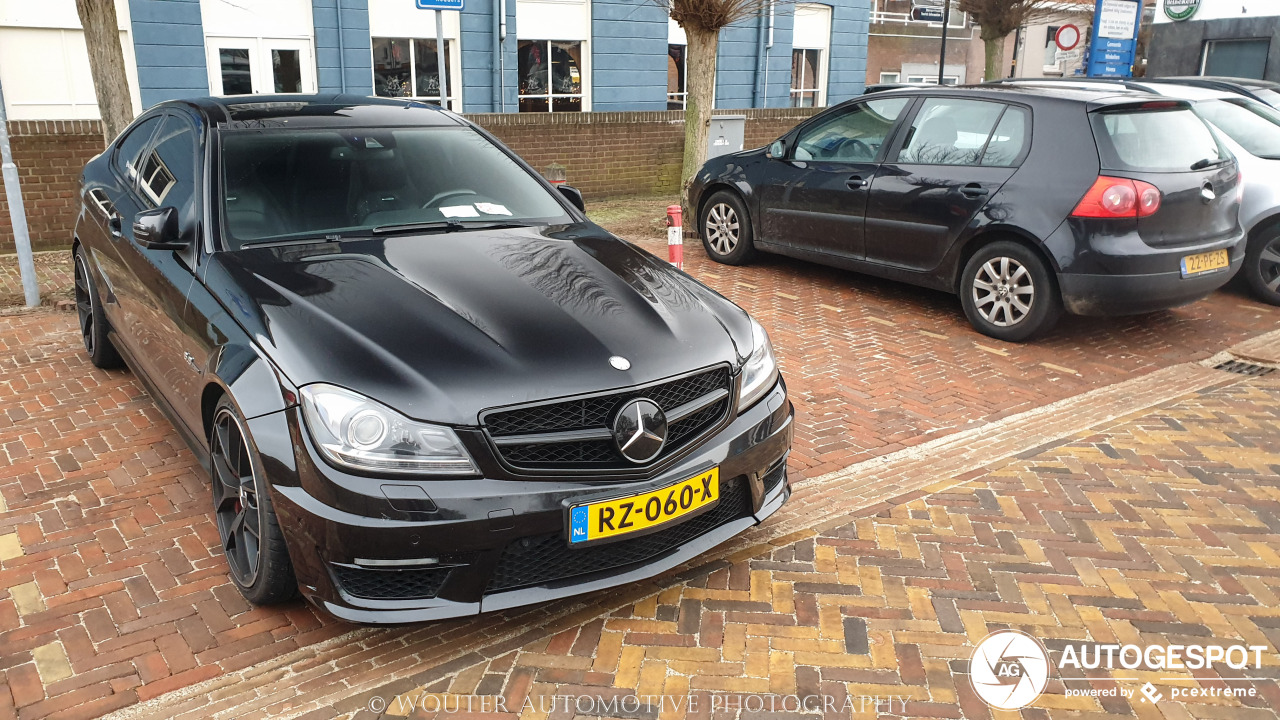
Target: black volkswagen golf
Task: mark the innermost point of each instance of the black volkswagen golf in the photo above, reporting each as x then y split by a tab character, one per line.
1025	201
424	384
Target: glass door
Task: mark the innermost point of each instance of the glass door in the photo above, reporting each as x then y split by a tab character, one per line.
243	66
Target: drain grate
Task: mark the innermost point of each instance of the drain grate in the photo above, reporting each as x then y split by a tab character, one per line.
1244	368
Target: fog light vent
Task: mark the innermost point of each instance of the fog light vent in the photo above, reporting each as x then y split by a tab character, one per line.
1240	367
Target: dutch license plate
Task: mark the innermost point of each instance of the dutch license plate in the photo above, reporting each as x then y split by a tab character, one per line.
1204	262
619	516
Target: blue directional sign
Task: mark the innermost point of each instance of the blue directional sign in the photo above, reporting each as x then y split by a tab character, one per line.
439	4
1114	39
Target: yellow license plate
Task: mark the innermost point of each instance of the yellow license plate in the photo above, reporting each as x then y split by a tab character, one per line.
619	516
1204	262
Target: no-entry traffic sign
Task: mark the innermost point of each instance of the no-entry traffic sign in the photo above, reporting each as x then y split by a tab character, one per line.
1068	37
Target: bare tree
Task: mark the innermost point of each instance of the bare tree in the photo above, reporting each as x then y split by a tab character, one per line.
702	21
997	18
106	64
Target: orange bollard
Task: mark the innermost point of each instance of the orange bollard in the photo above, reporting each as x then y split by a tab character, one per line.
675	236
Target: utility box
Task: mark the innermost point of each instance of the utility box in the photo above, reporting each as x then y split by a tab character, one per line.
726	134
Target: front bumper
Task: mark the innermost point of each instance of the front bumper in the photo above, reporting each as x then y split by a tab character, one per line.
396	551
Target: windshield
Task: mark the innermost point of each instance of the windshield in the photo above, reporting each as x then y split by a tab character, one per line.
1252	125
279	184
1154	140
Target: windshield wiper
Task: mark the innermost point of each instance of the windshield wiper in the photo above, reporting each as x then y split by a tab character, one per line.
448	226
1207	162
297	240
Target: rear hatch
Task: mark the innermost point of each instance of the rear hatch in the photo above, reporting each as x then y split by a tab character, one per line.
1164	143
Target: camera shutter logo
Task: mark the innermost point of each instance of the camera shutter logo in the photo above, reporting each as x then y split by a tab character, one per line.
1009	669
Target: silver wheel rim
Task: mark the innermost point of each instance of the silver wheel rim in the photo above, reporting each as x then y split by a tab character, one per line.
1269	265
235	497
1003	291
722	228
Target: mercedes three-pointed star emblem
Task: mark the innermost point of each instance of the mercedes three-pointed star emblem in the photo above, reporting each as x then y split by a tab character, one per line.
640	430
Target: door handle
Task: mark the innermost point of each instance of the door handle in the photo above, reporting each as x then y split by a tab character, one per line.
856	182
974	190
113	222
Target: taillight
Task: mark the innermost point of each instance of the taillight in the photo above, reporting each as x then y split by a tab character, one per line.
1112	197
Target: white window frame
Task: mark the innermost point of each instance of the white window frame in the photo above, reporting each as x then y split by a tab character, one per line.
261	77
932	79
890	77
551	96
453	61
679	97
820	42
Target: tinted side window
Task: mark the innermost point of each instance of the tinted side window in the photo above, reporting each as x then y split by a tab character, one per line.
127	151
167	175
949	131
852	136
1010	137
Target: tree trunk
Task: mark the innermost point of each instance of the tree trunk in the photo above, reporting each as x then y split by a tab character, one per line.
106	64
995	53
700	88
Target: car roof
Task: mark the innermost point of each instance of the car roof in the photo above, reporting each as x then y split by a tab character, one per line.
315	111
1030	92
1250	83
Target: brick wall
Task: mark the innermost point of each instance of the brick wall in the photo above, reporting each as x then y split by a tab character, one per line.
620	153
50	155
612	153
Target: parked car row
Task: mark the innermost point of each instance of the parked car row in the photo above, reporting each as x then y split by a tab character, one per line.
1027	199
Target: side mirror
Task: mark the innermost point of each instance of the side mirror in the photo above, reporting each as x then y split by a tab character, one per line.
778	149
158	229
574	195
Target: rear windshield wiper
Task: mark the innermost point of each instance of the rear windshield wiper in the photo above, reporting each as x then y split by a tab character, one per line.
447	226
1207	162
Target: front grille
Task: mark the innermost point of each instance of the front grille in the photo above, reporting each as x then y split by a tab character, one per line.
397	584
547	558
597	413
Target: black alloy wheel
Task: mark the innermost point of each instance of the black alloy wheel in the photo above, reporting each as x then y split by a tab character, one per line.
251	538
93	325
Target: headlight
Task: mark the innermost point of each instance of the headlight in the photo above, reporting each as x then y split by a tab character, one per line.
760	371
353	431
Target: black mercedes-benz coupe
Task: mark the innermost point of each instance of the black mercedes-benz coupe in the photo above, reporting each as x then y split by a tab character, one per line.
1024	201
423	383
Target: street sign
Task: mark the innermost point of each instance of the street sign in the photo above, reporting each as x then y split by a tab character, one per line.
1115	38
926	14
440	4
1117	19
1068	37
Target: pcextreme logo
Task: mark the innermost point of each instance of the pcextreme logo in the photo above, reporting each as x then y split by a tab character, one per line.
1009	669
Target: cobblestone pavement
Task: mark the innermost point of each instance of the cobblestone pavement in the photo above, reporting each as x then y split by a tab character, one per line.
53	276
1161	528
111	591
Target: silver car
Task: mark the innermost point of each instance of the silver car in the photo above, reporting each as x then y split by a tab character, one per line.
1251	130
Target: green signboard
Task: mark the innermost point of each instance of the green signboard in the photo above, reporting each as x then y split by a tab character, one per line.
1180	9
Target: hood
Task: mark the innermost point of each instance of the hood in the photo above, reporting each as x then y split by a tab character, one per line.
443	326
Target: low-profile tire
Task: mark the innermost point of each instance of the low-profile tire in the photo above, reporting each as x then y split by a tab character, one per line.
1008	292
251	539
725	229
94	330
1262	264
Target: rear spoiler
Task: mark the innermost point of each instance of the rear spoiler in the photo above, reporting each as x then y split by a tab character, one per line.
1128	103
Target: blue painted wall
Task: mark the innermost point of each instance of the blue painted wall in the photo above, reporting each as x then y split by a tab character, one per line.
628	55
352	58
168	42
847	70
478	60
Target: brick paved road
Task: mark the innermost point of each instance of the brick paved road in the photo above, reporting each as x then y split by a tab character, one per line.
1164	528
107	577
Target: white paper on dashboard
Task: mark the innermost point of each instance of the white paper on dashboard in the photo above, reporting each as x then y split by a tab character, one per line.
459	211
492	208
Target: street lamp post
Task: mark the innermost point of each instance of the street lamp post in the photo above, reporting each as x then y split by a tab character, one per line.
17	212
942	59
